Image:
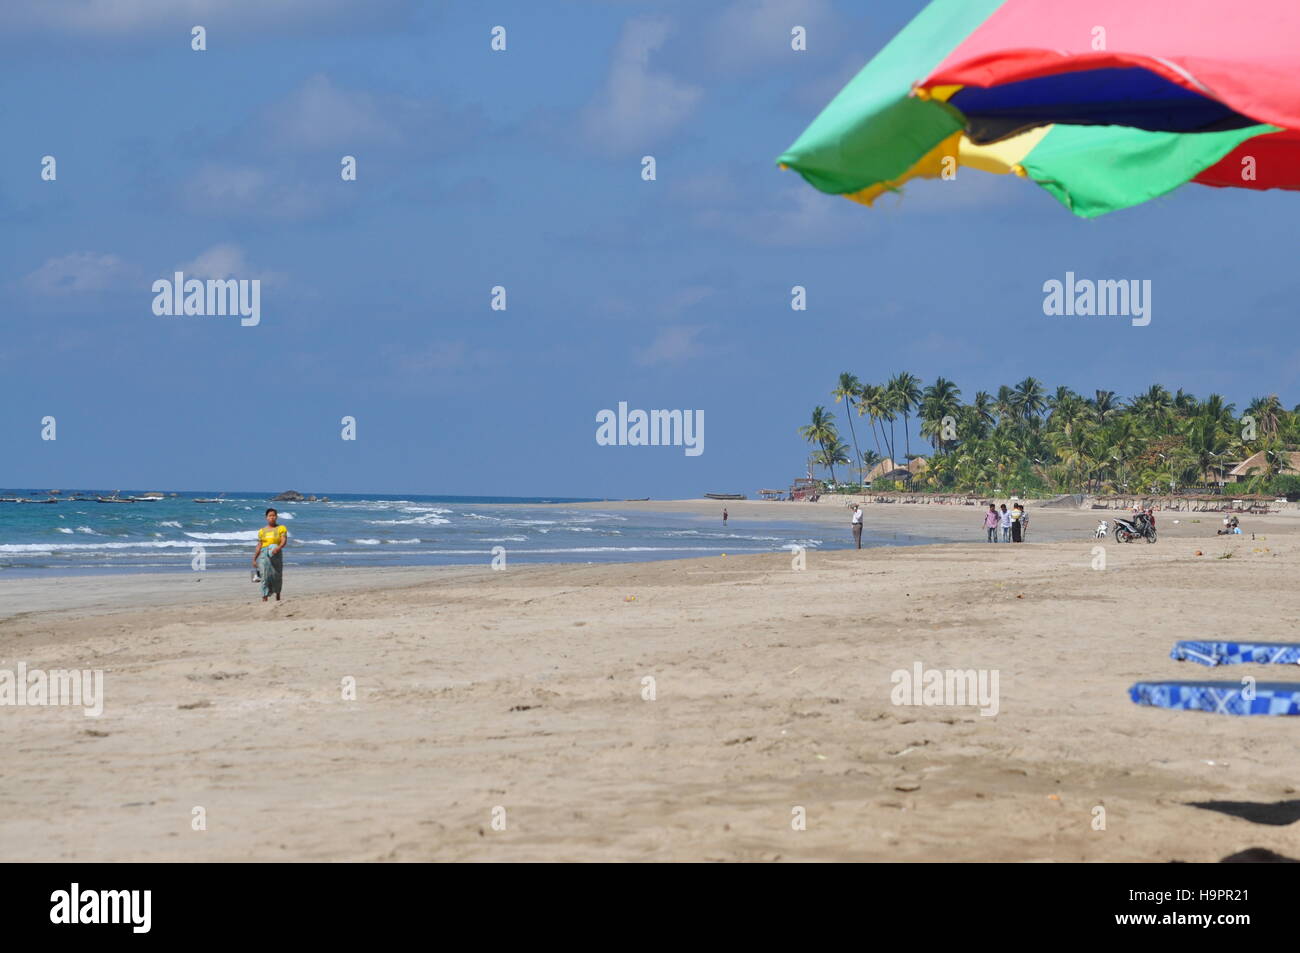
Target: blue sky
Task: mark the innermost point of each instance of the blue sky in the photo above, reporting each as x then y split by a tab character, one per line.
522	168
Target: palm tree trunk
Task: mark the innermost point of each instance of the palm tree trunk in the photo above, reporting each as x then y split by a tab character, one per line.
848	410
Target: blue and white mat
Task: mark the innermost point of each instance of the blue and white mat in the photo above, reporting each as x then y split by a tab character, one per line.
1224	698
1237	653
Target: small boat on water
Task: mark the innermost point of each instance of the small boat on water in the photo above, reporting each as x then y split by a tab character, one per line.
724	496
114	499
36	501
147	498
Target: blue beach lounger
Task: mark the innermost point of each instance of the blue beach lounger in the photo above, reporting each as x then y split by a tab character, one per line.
1237	653
1224	698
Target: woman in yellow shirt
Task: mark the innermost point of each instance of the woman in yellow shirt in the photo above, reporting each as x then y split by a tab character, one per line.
268	560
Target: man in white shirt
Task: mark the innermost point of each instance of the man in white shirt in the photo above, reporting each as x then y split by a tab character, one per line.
1005	518
856	523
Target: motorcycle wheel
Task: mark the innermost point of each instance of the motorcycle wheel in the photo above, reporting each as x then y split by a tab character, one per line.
1122	535
1151	537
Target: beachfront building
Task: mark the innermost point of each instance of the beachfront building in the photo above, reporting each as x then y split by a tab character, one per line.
1257	465
887	469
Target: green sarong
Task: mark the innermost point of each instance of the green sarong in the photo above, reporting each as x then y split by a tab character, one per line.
271	568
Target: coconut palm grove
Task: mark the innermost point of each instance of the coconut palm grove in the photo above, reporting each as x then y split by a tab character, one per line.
1027	440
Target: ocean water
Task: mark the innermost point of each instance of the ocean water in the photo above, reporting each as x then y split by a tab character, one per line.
357	530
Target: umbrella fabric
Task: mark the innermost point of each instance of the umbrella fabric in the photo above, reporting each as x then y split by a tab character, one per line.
1092	170
1166	65
1224	698
1097	132
1273	164
874	131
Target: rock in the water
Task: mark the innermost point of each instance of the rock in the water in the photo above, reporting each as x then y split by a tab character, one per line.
288	496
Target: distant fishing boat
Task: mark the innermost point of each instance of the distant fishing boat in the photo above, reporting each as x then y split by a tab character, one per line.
114	499
147	498
36	501
724	496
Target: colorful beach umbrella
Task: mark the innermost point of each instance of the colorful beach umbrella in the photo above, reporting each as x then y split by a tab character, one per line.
1105	103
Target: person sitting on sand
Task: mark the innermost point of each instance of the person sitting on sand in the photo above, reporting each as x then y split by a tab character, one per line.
991	521
268	559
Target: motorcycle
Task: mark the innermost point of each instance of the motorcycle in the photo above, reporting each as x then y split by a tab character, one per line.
1128	530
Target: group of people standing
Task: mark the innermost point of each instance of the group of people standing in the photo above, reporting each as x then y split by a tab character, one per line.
1013	524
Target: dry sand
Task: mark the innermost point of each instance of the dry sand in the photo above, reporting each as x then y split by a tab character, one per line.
523	690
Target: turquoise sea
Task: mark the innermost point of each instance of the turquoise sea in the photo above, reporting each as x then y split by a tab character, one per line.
369	530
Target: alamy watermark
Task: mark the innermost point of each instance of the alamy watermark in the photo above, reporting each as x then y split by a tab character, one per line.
655	428
214	297
946	687
127	907
76	688
1107	297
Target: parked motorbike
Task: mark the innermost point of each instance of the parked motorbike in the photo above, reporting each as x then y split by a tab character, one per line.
1128	530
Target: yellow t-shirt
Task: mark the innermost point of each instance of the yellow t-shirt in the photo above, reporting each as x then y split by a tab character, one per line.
272	536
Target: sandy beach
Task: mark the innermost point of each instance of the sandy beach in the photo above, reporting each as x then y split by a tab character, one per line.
507	715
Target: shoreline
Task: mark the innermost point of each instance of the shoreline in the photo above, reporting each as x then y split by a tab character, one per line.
111	588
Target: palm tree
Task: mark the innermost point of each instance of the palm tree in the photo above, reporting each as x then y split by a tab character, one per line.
1218	410
941	399
906	389
836	451
983	405
1267	412
847	391
821	430
1004	405
876	401
1103	406
1184	402
1030	399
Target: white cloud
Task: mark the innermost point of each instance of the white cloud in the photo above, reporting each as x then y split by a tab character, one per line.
219	261
223	189
78	273
226	260
320	115
672	346
638	106
685	298
752	33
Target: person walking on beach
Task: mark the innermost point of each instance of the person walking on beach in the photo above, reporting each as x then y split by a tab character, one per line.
991	521
1024	523
1004	520
724	516
268	559
856	524
1016	513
